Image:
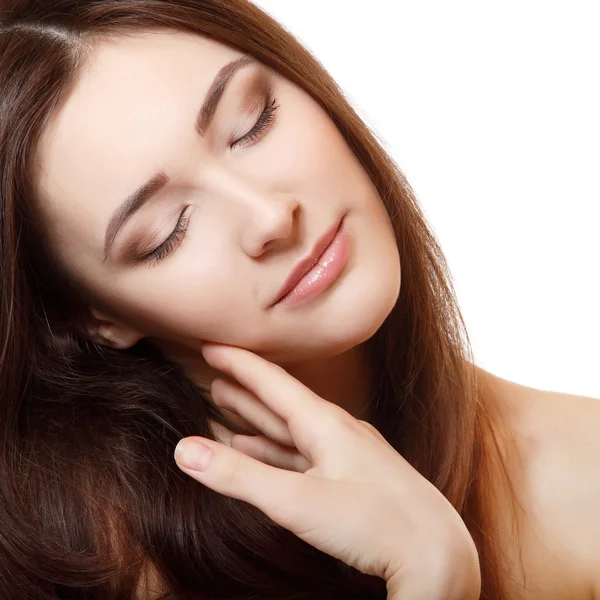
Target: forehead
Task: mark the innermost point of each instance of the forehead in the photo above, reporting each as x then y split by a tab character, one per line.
134	103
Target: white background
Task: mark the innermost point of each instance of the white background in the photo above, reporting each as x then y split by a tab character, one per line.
491	109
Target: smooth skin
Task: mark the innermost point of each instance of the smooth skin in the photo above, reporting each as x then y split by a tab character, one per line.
552	449
313	457
253	211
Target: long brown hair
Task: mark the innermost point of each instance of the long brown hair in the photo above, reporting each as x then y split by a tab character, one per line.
91	501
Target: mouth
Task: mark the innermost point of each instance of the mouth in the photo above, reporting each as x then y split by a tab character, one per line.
323	263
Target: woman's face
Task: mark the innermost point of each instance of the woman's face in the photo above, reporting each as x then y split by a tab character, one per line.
204	257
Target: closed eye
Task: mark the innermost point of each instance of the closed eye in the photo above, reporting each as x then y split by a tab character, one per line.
266	119
171	242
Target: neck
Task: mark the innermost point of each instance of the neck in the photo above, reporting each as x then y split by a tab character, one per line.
343	379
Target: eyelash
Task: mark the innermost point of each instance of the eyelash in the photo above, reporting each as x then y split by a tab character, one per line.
265	120
171	242
261	126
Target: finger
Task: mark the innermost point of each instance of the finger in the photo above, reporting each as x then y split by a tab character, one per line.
221	433
285	496
311	420
270	452
233	396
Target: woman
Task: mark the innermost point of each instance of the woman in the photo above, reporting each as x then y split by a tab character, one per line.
136	225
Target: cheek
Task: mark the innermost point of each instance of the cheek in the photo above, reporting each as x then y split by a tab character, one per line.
327	171
304	150
316	157
185	297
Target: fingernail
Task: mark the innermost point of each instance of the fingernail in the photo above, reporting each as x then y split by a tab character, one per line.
193	454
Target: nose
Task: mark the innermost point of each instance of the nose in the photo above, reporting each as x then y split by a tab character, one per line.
265	219
268	223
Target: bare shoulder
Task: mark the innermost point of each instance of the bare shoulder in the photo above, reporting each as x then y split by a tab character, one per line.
568	477
557	450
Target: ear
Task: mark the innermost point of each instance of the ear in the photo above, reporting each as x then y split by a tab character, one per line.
105	329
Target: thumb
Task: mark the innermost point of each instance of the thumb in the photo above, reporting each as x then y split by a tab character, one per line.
233	473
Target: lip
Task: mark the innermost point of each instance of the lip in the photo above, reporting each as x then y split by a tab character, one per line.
307	263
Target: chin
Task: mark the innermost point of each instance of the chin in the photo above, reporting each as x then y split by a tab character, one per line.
348	315
360	314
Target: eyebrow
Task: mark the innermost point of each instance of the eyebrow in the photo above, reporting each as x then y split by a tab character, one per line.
205	116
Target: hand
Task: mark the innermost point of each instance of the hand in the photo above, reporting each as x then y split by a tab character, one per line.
332	480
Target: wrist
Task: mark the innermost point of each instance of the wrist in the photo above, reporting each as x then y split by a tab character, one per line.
454	575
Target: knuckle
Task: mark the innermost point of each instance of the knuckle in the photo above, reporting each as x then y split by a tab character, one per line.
373	430
334	417
335	422
337	411
367	425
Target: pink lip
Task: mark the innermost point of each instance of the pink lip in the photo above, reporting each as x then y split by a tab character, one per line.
319	269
